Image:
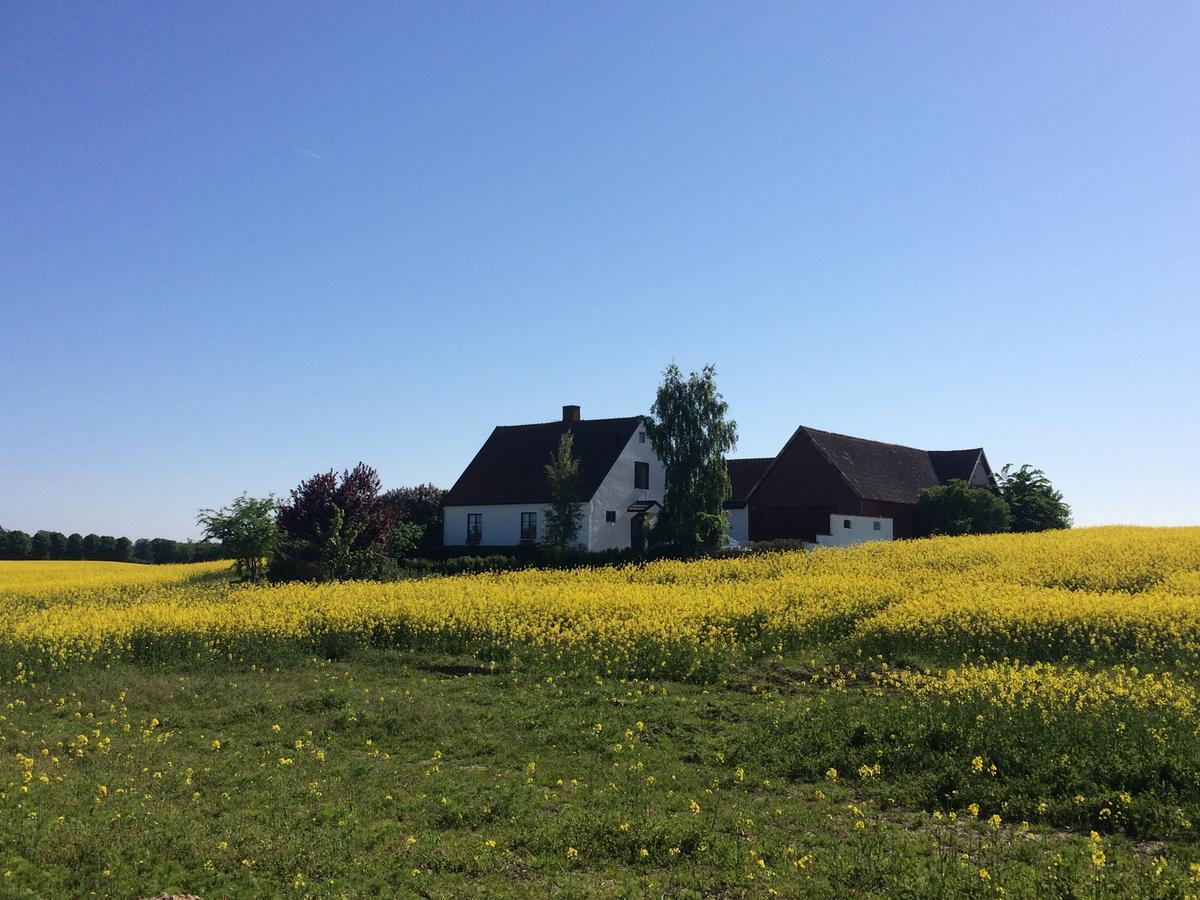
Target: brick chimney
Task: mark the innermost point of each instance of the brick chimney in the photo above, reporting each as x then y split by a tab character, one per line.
570	413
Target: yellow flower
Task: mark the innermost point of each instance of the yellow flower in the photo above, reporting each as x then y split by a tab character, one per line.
572	853
216	745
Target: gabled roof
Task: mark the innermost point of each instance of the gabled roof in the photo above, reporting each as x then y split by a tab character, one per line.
877	471
511	465
958	464
743	476
889	472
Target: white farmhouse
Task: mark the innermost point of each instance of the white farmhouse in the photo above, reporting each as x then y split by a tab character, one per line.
502	498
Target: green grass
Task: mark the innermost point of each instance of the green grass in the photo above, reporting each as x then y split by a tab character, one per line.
409	765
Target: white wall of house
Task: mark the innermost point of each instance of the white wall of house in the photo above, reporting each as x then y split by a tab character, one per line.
616	493
739	524
979	475
501	524
860	530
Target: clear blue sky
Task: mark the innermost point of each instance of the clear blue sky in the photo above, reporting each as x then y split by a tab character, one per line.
243	243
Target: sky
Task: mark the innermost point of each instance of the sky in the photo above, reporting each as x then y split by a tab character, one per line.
244	243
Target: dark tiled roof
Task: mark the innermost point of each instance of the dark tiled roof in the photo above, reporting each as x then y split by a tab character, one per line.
954	463
744	474
511	465
890	472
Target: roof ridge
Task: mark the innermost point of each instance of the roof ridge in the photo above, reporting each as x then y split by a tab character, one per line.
851	437
576	422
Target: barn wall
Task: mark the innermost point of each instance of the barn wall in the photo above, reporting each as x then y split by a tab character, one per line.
799	493
903	516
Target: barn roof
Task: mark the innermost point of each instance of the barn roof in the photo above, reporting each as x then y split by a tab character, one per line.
955	463
743	475
511	465
875	470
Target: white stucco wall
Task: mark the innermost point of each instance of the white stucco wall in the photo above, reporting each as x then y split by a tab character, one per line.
979	475
739	524
501	524
862	528
616	492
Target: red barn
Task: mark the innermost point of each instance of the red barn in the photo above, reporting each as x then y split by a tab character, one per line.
828	488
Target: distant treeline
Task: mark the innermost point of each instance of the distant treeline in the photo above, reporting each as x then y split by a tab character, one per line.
56	545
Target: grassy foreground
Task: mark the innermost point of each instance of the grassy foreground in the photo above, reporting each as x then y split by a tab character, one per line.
389	774
838	723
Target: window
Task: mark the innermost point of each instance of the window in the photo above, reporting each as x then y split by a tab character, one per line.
845	523
641	437
610	516
877	526
641	476
474	527
528	527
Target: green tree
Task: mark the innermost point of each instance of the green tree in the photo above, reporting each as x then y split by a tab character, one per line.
1034	503
58	545
689	431
75	546
564	514
247	530
40	545
405	540
123	550
20	545
959	508
419	506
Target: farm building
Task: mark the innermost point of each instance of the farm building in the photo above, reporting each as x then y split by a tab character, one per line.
500	500
823	488
832	489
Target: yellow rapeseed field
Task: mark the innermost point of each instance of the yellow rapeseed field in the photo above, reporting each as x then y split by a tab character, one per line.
1105	594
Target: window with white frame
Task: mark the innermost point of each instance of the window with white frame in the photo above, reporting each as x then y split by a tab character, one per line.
474	528
878	526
